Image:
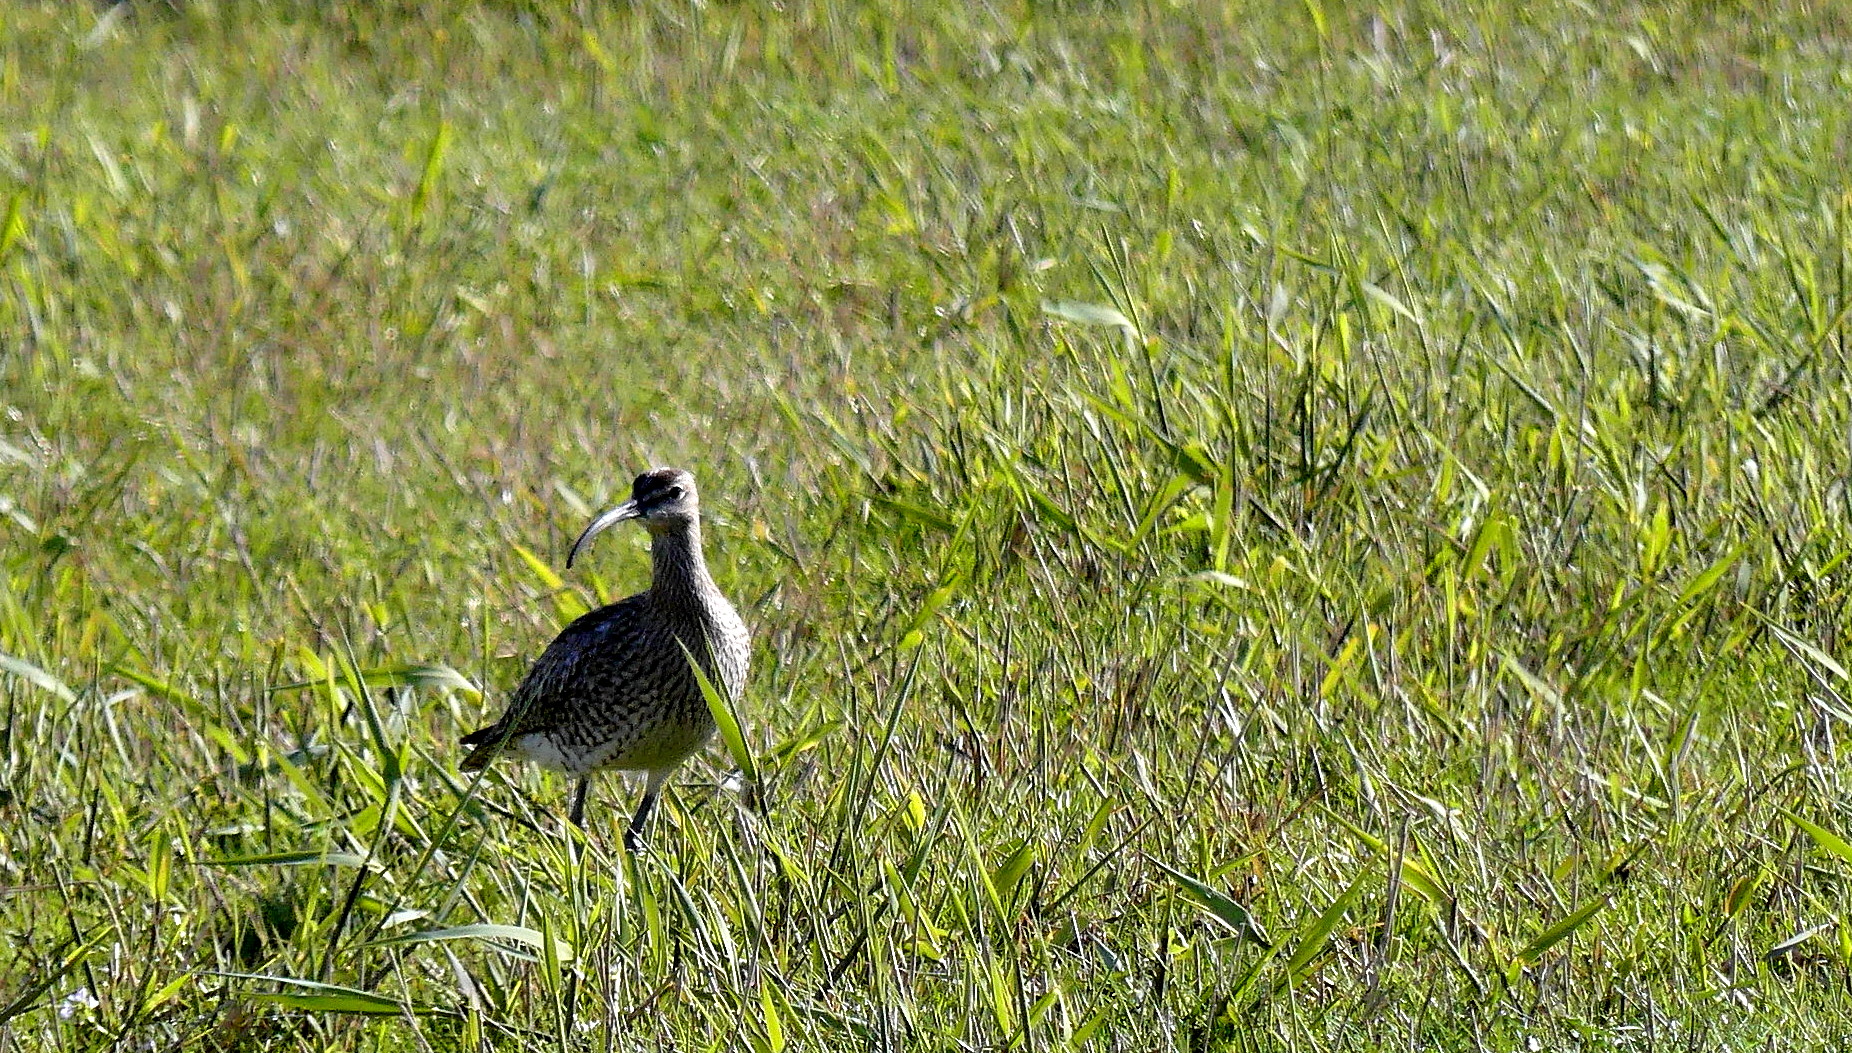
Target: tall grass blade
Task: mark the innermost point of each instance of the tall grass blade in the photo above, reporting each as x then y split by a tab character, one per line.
720	707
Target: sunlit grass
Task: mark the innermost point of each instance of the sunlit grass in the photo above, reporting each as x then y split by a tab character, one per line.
1265	527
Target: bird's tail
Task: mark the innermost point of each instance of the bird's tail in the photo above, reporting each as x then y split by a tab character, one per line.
488	742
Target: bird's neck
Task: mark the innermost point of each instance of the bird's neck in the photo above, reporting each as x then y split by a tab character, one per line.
678	572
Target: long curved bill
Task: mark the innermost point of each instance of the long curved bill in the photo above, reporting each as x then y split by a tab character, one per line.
627	510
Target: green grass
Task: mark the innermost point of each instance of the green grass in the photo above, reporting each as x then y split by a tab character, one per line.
1265	527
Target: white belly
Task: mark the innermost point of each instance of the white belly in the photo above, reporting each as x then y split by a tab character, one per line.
652	748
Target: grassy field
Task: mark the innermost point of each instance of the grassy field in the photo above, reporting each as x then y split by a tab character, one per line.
1266	527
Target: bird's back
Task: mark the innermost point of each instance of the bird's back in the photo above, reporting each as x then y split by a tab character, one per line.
614	690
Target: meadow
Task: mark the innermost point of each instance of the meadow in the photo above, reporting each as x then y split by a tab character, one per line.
1267	525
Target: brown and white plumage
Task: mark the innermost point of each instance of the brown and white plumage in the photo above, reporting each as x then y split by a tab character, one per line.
615	690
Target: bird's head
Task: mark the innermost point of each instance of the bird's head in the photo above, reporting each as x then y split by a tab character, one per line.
663	498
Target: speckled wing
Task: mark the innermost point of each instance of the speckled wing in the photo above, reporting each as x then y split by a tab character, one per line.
545	698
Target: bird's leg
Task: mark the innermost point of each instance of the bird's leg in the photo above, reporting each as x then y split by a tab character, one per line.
633	835
577	818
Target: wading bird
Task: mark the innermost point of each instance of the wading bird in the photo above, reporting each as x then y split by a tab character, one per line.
617	689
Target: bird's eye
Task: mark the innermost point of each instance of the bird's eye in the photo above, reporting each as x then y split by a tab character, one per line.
675	493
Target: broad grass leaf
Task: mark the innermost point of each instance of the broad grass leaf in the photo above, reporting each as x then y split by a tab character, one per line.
1219	905
1562	930
308	857
915	632
1318	933
804	740
391	756
1823	837
432	170
1796	941
437	677
487	932
1415	873
1160	502
1312	939
1540	690
155	684
13	227
1050	510
1389	300
1009	873
567	602
72	953
1221	578
914	513
1087	313
1821	658
166	992
774	1030
37	677
1741	892
539	568
318	997
1317	12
